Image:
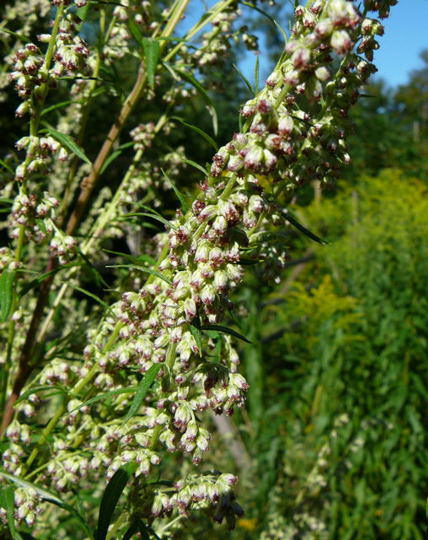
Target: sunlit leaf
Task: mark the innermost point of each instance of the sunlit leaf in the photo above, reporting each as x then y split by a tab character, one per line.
67	142
147	380
7	279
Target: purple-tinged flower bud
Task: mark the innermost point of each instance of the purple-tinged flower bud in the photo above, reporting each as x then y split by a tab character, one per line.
253	158
220	224
23	109
208	295
20	172
273	79
324	28
228	210
270	160
301	58
322	74
190	308
341	42
220	281
234	273
256	204
182	416
216	255
162	341
263	106
285	125
202	253
291	77
249	108
235	163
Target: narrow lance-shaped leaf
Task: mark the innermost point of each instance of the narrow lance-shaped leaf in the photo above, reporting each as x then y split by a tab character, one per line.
109	501
151	57
244	79
200	89
135	31
67	142
7	279
91	295
115	155
7	502
6	166
47	496
196	333
225	330
137	526
104	396
142	269
49	387
303	229
196	165
200	132
184	204
145	384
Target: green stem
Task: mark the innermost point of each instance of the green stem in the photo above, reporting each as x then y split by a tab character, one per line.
73	393
34	126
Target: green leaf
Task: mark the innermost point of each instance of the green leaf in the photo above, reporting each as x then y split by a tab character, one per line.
109	501
257	75
56	106
7	279
137	526
20	37
40	388
183	203
143	387
7	502
91	295
115	155
6	166
135	31
197	166
105	395
82	12
151	49
48	497
67	142
151	57
133	258
39	279
201	91
152	215
272	20
5	200
143	269
245	80
202	133
225	330
97	276
196	333
303	229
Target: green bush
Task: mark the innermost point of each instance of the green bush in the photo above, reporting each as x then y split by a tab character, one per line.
349	374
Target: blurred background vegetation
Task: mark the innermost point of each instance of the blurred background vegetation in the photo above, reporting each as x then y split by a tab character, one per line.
333	443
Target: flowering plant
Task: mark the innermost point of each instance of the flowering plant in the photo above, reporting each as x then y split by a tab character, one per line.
102	392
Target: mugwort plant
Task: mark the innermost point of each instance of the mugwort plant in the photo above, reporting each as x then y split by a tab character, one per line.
102	392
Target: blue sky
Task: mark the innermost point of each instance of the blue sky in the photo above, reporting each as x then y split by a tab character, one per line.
406	34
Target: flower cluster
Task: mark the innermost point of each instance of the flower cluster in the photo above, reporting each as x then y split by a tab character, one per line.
39	153
201	491
31	76
37	216
71	51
